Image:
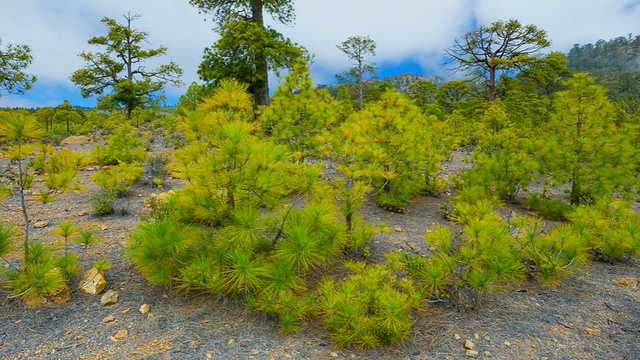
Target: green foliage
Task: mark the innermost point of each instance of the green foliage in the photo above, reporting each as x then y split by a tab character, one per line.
69	266
489	254
610	227
358	49
102	202
499	47
117	180
155	170
583	147
120	71
298	113
424	94
370	308
7	234
124	145
13	61
227	163
393	146
160	249
552	254
66	229
547	207
614	63
102	264
39	276
223	10
246	51
88	236
500	162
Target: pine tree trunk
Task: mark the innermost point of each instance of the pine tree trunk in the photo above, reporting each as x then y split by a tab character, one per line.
261	84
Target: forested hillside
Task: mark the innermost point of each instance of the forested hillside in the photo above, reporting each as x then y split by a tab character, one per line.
616	64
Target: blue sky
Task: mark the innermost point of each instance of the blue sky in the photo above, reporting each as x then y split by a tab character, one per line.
411	35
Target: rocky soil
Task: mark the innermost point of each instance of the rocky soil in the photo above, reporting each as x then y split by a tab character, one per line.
593	314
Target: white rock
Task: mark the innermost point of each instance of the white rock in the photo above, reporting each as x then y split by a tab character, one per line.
109	298
92	282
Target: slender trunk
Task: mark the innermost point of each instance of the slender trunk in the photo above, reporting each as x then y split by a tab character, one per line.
129	61
492	83
577	150
261	84
23	205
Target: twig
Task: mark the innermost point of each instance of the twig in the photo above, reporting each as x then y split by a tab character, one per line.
22	293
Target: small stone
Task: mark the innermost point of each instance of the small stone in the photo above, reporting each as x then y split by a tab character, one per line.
81	212
231	342
506	343
472	353
109	298
40	224
627	281
149	316
334	354
468	344
209	356
125	310
109	319
398	229
121	334
476	336
104	227
144	308
92	282
486	354
592	331
457	336
287	356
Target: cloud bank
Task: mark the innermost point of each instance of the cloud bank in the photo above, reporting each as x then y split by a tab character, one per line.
406	32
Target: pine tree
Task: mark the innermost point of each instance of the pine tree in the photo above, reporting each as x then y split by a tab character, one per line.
583	147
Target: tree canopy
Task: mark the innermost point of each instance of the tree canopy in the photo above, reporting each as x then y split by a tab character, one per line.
13	60
120	71
358	49
499	47
240	52
225	10
247	49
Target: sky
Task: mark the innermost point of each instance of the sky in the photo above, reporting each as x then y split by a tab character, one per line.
411	35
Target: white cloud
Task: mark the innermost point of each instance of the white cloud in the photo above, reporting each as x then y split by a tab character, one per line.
417	30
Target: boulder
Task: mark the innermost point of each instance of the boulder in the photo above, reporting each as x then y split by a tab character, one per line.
92	282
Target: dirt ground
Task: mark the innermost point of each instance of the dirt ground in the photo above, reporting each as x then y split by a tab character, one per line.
593	314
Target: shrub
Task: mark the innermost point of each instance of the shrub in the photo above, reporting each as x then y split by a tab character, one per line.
155	170
548	208
160	249
118	179
609	227
124	145
102	202
368	309
38	277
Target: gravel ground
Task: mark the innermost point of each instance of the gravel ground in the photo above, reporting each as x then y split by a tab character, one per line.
590	315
